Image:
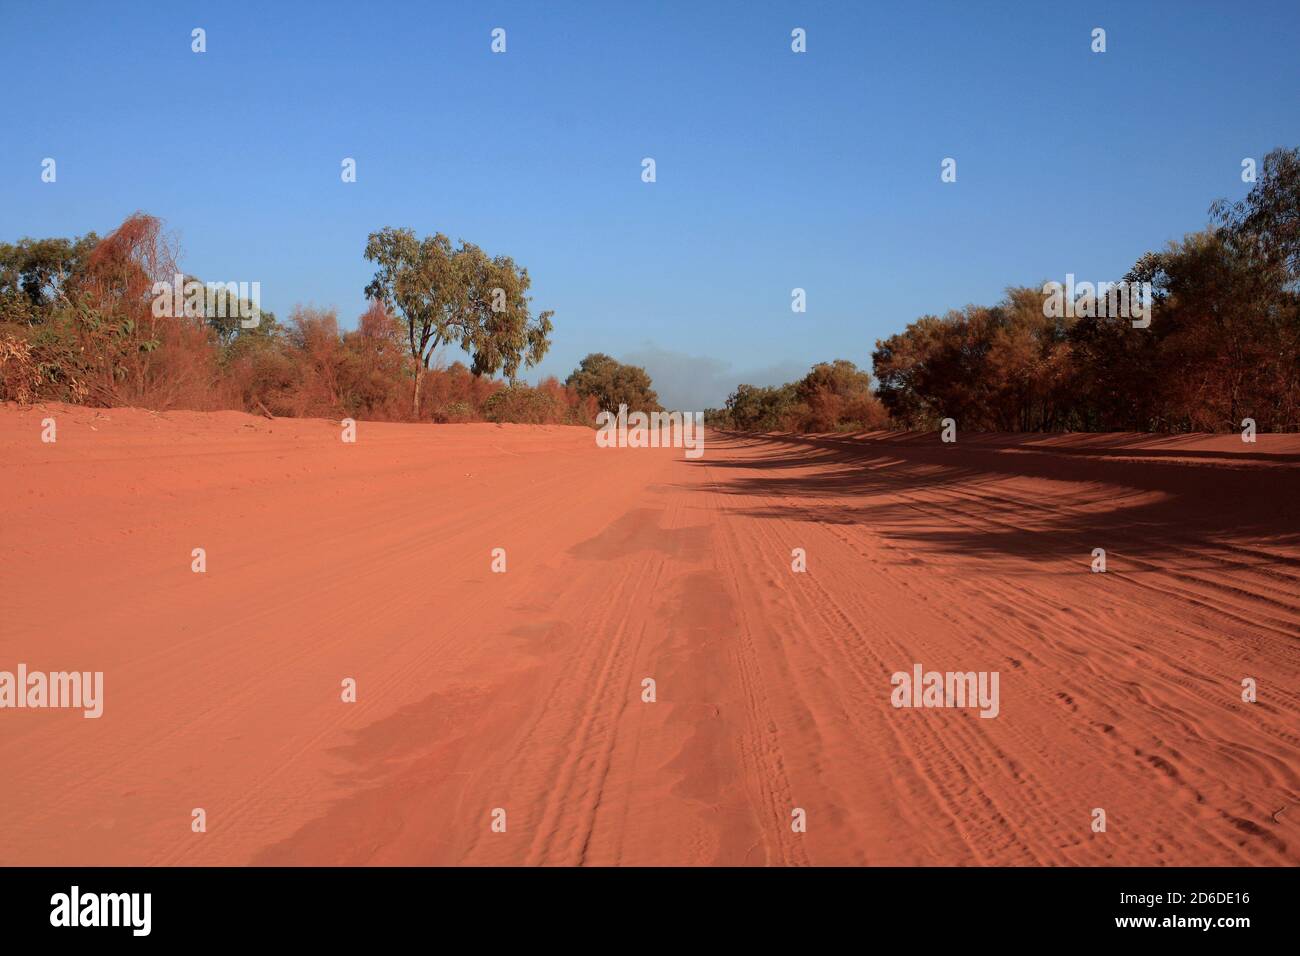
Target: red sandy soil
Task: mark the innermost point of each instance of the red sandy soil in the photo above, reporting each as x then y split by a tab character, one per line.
523	690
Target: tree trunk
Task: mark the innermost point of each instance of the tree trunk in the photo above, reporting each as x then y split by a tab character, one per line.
422	357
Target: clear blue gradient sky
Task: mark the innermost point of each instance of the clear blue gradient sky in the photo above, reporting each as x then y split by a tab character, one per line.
775	170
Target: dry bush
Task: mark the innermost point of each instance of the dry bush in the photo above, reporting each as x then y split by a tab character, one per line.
377	369
824	410
456	413
525	405
264	377
318	351
183	372
548	403
447	391
579	409
107	344
864	412
20	380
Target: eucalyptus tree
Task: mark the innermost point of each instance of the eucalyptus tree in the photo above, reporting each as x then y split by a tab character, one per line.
460	296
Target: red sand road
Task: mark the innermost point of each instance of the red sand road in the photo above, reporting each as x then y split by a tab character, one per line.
522	690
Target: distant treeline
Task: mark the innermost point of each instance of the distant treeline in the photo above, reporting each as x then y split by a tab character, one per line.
834	396
1222	344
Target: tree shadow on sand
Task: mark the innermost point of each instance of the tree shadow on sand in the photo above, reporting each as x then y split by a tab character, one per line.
1164	504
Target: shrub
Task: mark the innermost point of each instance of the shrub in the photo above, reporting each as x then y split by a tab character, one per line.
454	412
523	404
20	379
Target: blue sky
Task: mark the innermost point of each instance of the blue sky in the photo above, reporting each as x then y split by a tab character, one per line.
775	170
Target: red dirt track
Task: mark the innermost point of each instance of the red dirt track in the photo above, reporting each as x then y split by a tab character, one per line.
522	690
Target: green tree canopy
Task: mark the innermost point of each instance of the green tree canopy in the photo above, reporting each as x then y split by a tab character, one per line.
1267	221
457	295
36	273
611	383
760	408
